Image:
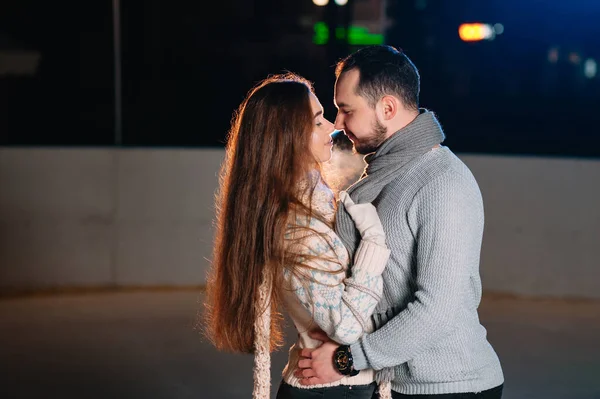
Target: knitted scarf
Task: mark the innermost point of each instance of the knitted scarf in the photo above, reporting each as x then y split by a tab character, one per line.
383	166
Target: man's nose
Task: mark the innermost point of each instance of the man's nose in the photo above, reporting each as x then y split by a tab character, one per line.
339	122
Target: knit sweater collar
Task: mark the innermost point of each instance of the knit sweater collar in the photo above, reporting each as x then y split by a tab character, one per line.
322	201
385	164
424	132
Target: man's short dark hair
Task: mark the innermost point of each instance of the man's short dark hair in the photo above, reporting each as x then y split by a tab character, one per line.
383	70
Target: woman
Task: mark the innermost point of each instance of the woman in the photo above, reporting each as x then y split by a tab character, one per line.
275	246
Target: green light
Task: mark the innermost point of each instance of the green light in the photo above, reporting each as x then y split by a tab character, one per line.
357	35
321	33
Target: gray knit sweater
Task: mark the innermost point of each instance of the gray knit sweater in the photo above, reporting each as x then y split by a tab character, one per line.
427	325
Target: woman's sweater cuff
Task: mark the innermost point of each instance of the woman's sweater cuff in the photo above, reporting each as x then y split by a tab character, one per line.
370	258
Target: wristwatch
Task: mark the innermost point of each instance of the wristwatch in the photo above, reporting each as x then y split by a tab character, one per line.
343	362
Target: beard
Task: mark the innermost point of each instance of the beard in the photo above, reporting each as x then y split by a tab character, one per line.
370	144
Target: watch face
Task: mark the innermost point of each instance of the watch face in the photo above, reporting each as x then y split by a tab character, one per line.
342	361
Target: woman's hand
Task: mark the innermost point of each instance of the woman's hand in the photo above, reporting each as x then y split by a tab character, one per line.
365	218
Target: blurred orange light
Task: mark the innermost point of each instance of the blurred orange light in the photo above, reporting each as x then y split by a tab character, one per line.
474	32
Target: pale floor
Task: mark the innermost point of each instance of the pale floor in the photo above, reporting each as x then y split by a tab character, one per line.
144	345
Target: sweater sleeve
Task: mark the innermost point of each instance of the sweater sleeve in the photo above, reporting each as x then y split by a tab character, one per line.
340	305
446	220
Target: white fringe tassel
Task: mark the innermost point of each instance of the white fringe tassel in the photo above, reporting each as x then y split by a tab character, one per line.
262	342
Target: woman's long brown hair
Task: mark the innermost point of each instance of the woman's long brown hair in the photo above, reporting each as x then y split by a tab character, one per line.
267	154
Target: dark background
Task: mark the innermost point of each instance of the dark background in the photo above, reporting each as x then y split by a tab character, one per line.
186	65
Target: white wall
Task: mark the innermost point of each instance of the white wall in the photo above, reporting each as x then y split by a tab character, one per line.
143	217
542	227
105	217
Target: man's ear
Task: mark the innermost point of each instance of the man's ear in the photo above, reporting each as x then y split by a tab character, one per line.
389	107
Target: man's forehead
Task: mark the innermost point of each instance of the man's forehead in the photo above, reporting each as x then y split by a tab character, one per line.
339	99
347	81
349	100
345	98
345	88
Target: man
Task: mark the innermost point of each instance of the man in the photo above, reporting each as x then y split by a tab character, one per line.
428	340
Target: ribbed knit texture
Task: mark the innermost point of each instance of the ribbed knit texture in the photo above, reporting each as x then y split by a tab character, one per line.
427	326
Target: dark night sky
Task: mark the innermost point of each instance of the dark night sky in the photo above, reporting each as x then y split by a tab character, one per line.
185	69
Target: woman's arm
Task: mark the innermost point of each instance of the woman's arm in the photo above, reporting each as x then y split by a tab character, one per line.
339	302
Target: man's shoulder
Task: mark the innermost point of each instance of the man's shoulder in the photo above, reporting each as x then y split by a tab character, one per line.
442	163
425	168
436	167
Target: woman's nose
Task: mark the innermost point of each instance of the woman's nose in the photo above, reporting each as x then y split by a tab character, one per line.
331	126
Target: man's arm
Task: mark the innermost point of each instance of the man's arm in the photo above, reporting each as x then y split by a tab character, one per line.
446	218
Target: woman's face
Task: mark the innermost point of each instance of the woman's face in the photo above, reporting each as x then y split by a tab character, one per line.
321	141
